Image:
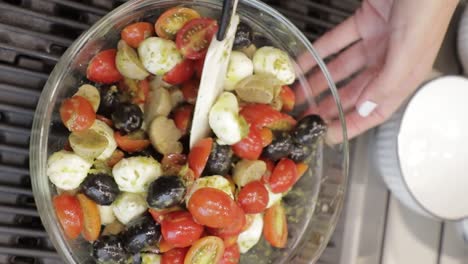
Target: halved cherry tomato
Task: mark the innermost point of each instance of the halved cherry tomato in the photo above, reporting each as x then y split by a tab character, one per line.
284	176
183	117
231	255
135	33
165	246
234	229
262	115
173	163
158	215
102	69
253	197
174	256
251	146
267	136
105	120
195	37
182	72
288	98
198	65
230	241
116	156
199	155
69	214
190	90
301	169
213	208
133	142
171	21
91	218
77	113
143	91
179	229
270	165
209	249
275	226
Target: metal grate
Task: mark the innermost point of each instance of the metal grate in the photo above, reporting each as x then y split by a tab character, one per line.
33	36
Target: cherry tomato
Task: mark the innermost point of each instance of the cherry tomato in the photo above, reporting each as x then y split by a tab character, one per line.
182	72
102	69
253	197
198	65
213	208
234	229
275	226
262	115
195	37
174	256
69	214
171	21
199	155
77	113
270	165
207	248
116	156
173	163
231	255
190	90
135	33
131	142
230	241
288	98
267	136
251	146
284	176
105	120
179	229
183	117
142	93
158	215
91	218
165	246
301	169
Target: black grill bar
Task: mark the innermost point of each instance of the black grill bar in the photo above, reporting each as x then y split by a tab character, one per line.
12	230
324	8
20	71
14	149
15	190
16	109
33	53
14	129
14	169
28	252
55	39
10	209
20	90
80	7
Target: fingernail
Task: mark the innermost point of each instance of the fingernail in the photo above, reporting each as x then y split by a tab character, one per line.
366	108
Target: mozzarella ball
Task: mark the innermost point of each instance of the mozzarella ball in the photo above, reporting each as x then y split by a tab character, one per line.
273	61
134	174
129	206
239	67
159	55
67	170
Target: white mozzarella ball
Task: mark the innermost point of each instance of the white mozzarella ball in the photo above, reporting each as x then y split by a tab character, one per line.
67	170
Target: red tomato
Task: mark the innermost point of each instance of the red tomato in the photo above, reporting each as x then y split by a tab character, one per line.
77	113
195	37
267	136
213	208
288	98
131	143
275	226
69	214
171	21
91	218
301	169
183	117
179	229
164	246
158	215
105	120
207	248
253	197
234	229
135	33
190	90
173	163
270	167
231	255
251	146
142	93
199	155
198	65
116	156
174	256
284	176
262	115
182	72
102	69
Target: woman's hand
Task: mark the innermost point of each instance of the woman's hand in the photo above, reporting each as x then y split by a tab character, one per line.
389	49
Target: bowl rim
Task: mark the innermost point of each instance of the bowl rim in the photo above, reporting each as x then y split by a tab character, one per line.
43	114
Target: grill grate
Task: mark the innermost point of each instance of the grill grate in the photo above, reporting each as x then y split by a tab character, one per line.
33	36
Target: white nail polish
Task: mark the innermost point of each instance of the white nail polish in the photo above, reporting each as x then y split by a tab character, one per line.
366	108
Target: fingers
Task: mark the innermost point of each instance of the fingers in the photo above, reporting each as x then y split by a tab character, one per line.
331	42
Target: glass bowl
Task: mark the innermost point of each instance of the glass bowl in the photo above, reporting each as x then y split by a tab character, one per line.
313	207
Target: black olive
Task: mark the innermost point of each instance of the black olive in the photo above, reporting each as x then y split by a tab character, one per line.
100	188
109	249
309	129
165	192
127	118
109	100
279	148
261	41
243	36
140	233
300	152
219	161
